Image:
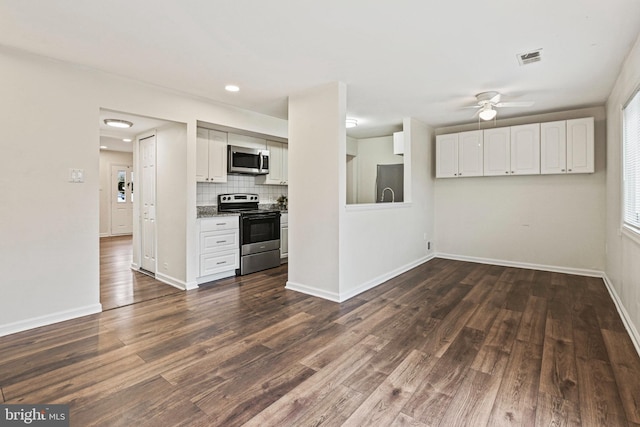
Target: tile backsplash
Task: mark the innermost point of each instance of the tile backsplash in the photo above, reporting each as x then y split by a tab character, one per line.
208	192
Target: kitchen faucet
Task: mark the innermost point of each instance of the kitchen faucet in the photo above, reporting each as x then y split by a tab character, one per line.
393	195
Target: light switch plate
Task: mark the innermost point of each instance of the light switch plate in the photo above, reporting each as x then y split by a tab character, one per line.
76	175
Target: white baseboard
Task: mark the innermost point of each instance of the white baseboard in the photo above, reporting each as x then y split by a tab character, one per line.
341	297
626	319
104	235
383	278
214	277
176	283
541	267
331	296
49	319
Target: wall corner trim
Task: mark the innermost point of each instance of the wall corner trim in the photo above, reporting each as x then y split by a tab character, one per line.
61	316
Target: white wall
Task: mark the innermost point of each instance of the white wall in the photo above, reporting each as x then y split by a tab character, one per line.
49	249
171	202
373	152
108	159
623	252
337	251
316	137
545	220
382	240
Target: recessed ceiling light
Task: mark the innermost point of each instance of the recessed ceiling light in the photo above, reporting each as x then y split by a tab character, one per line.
102	147
117	123
231	88
351	123
126	139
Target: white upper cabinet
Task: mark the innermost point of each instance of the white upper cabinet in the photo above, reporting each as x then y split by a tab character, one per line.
567	146
580	147
247	141
470	153
211	156
447	156
497	151
459	154
278	164
553	147
525	149
398	143
564	146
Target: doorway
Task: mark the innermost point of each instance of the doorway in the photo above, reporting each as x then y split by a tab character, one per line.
121	196
121	188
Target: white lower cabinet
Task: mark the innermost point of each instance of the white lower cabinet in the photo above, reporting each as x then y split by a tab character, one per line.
284	236
219	248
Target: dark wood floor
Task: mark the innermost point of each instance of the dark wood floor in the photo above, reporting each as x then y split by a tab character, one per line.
448	343
119	285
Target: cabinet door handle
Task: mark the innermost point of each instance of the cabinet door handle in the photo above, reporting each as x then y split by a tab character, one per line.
221	262
506	172
569	170
221	241
221	223
561	170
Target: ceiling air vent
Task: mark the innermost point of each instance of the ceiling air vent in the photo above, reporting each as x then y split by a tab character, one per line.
530	57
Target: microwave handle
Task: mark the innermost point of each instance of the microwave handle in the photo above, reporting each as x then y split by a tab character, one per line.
261	161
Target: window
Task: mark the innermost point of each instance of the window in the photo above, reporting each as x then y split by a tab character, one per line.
631	162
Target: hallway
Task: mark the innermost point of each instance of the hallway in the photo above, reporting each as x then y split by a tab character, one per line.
119	285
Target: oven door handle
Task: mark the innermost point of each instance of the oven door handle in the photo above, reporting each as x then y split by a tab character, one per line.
263	216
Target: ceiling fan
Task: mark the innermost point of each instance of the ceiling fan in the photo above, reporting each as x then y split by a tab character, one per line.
489	101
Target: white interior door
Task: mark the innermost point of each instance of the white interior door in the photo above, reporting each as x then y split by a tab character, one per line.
148	208
121	199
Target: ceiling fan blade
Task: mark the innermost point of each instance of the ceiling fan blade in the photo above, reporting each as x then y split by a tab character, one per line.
476	113
495	99
515	104
471	106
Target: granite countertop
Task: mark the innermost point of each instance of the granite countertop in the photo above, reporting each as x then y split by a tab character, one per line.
212	210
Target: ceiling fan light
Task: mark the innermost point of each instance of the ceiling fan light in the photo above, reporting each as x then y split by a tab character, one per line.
488	113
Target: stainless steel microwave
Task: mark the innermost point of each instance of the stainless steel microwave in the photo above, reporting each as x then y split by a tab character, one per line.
248	160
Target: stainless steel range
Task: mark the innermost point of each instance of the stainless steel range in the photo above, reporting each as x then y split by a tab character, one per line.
259	231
